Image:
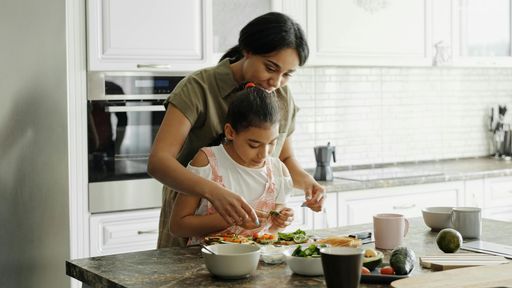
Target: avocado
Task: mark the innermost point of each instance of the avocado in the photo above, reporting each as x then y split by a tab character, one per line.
402	260
372	259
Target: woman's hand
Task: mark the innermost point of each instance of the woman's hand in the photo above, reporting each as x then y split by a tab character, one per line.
232	207
250	224
315	194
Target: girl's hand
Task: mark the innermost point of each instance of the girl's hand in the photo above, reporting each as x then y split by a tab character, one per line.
315	194
233	208
284	218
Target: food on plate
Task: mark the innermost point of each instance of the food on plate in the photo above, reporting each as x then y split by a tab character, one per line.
372	258
297	237
402	260
341	241
387	270
263	238
227	238
449	240
311	251
365	271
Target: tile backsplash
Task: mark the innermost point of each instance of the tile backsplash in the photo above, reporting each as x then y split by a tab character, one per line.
387	115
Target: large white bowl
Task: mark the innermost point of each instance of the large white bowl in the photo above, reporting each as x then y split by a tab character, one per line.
308	266
437	218
232	261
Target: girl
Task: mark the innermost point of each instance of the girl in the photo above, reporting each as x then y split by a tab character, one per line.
241	163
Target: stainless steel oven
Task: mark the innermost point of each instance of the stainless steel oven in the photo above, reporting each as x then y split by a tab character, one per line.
125	111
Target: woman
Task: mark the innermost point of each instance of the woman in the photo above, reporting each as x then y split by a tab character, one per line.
269	50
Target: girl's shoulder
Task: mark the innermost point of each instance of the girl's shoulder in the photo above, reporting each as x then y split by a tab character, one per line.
200	159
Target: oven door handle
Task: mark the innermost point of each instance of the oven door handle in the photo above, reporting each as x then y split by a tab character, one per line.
147	108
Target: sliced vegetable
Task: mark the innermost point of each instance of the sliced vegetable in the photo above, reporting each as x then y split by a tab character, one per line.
365	271
387	270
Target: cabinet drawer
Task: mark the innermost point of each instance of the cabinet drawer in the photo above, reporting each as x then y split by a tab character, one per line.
498	192
406	200
121	232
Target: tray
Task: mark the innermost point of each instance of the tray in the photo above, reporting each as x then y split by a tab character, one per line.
377	278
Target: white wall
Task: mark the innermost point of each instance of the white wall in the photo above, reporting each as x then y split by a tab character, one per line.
386	115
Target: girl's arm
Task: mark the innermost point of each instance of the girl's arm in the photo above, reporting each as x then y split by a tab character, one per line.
164	167
184	222
313	191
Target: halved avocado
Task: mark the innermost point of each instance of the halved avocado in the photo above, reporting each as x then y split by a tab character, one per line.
372	258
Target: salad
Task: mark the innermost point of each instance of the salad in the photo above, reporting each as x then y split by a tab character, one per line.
312	251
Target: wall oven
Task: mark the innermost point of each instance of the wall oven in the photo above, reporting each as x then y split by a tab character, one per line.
124	111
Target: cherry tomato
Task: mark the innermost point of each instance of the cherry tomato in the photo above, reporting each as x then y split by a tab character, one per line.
255	235
388	270
365	271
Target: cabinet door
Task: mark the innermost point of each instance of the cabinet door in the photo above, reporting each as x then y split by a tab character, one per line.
113	233
147	34
226	27
498	192
302	215
356	207
370	32
482	32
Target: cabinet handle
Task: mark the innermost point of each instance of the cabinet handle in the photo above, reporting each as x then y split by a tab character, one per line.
402	207
154	66
148	232
149	108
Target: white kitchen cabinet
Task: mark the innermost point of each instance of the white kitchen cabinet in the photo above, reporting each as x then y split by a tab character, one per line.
497	202
396	33
303	217
356	207
121	232
482	32
225	29
135	35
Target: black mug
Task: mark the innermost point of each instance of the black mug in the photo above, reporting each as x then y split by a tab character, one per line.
342	266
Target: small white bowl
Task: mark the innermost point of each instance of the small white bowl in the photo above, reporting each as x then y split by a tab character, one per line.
437	218
271	254
232	261
307	266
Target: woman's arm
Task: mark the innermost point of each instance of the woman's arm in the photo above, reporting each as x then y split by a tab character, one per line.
164	167
301	179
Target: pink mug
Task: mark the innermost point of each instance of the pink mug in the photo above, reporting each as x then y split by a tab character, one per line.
389	230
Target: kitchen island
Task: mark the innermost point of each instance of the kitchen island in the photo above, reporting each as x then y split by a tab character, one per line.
180	267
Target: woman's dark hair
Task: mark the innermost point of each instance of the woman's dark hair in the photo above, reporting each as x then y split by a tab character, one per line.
269	33
252	107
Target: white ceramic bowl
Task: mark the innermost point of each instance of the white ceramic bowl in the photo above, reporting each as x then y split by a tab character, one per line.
308	266
437	218
232	261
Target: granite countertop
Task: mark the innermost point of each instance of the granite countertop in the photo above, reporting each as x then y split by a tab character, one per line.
412	173
184	267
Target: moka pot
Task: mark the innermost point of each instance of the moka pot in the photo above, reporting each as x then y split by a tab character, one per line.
323	170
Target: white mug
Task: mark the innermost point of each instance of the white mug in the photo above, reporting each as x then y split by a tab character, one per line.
468	221
389	230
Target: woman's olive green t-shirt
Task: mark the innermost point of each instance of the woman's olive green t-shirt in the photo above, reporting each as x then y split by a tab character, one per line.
204	97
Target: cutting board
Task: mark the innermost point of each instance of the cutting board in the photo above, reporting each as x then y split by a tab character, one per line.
472	277
460	260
